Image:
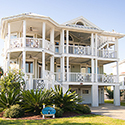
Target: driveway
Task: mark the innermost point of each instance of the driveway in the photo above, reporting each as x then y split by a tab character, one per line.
110	110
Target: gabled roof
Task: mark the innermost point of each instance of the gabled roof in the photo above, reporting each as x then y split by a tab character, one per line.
83	20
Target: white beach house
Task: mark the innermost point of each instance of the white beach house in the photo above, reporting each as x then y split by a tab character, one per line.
71	55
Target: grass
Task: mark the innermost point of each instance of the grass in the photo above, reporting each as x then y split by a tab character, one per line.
111	101
78	120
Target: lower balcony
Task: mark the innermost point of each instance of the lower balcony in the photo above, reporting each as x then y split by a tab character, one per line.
85	77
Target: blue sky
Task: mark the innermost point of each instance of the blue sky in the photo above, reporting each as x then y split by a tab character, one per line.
106	14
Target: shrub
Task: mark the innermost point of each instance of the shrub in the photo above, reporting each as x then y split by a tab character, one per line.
9	98
14	111
86	109
65	101
32	101
59	112
82	109
6	113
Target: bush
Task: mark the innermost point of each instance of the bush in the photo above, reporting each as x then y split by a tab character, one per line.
14	111
59	112
86	109
82	109
6	113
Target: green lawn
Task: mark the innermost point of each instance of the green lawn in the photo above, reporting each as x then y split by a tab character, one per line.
112	101
78	120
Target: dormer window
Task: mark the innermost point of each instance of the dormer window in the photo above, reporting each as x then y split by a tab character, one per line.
80	23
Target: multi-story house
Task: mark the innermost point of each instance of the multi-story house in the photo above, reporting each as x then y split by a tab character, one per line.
121	76
71	55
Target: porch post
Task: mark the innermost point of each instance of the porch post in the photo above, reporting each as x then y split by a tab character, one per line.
9	33
62	40
96	51
92	41
52	69
67	41
116	47
52	37
92	69
67	69
116	95
43	64
24	33
43	35
117	69
94	95
8	60
96	70
24	62
63	68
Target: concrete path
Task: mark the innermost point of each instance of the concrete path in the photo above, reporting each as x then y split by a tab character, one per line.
110	110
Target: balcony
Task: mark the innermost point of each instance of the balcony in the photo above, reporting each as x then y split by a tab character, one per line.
107	54
31	43
86	77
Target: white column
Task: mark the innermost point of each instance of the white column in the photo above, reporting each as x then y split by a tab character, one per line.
24	33
67	69
52	38
36	72
116	95
96	70
31	82
52	64
52	69
116	47
92	42
92	69
43	65
67	41
63	68
94	94
62	41
117	69
8	60
9	33
24	62
96	44
43	35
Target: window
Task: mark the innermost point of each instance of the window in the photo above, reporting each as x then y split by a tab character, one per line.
80	23
85	91
29	67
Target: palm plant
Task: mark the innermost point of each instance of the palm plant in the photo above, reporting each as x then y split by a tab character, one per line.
9	98
65	101
32	101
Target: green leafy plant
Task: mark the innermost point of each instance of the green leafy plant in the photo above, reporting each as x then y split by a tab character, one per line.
65	101
59	112
13	79
9	98
14	111
32	101
110	93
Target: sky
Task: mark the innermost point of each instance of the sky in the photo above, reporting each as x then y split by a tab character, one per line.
106	14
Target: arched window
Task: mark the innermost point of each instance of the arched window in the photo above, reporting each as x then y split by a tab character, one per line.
80	23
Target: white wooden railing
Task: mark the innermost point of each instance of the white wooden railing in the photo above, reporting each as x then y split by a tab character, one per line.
33	42
16	43
107	53
49	45
106	78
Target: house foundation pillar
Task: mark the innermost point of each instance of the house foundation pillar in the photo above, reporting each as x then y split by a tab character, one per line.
116	95
94	94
